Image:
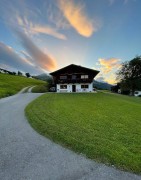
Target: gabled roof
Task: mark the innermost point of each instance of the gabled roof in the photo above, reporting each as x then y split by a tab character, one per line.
74	68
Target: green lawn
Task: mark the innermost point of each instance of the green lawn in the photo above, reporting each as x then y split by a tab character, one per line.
104	127
10	84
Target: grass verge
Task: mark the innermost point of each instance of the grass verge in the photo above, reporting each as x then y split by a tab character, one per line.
40	88
10	84
104	127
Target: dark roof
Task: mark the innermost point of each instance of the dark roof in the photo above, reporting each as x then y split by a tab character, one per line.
74	68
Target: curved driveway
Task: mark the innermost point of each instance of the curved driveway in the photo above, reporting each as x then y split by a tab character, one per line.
26	155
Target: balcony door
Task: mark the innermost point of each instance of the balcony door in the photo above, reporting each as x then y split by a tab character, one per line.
73	88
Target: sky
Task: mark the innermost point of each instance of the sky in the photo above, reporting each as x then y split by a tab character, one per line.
39	36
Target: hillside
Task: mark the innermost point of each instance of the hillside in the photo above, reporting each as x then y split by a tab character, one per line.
10	84
44	77
102	85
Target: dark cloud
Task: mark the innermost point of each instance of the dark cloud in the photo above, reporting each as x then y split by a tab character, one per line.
41	59
23	24
10	59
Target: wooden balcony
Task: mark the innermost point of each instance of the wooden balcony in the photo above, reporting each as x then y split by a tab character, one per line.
72	81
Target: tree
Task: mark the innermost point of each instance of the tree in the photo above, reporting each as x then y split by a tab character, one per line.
129	75
14	73
115	88
27	75
19	73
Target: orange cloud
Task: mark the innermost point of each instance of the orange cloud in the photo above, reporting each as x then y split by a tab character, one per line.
107	68
76	16
41	59
33	28
111	79
47	30
109	64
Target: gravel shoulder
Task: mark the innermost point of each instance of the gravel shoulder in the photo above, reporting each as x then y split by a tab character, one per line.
24	154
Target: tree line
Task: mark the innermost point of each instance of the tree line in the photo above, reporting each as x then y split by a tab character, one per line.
19	73
129	77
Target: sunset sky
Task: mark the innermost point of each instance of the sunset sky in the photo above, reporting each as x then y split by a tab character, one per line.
45	35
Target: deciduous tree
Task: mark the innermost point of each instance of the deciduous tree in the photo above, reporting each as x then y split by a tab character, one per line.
27	75
129	75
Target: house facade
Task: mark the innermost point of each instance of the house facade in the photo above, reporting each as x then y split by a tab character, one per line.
74	78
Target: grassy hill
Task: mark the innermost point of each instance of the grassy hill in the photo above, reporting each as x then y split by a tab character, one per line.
10	84
103	126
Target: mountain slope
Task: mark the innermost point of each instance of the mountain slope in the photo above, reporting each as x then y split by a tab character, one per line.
102	85
44	77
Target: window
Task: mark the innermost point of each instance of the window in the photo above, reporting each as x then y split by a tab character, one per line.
84	86
73	77
63	86
63	77
84	76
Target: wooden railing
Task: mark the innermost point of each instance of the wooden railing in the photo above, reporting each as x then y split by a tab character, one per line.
68	81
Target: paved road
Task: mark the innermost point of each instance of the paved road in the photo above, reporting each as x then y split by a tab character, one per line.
25	155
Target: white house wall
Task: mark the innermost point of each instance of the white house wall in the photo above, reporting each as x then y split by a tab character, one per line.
78	88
